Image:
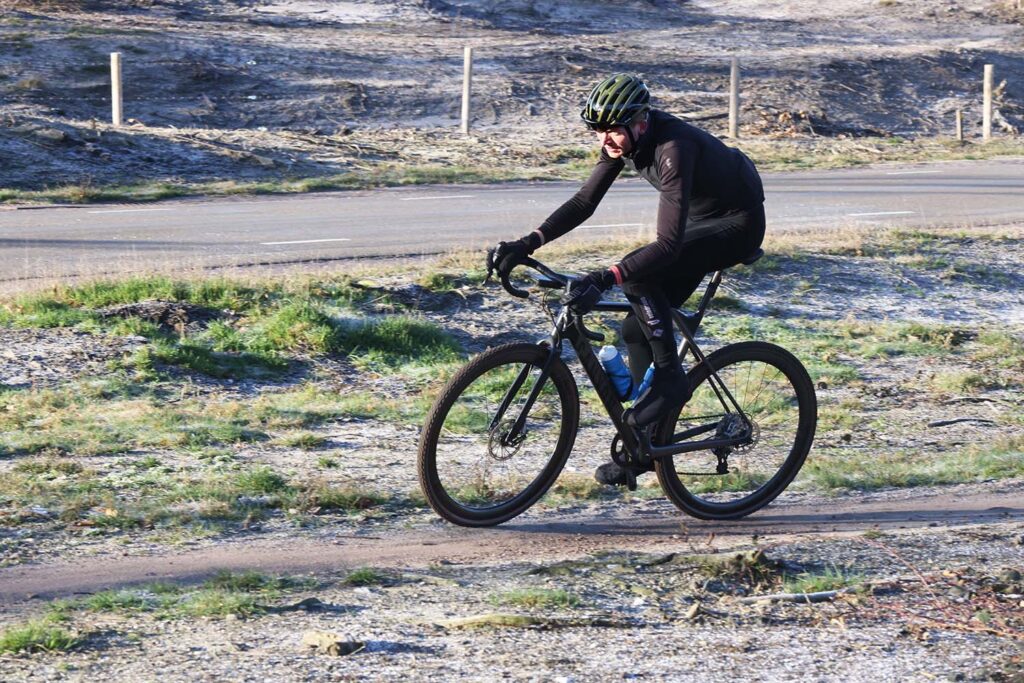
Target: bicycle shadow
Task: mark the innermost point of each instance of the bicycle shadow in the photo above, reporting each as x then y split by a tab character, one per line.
777	521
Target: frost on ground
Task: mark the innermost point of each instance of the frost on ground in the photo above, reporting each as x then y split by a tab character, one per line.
919	582
248	91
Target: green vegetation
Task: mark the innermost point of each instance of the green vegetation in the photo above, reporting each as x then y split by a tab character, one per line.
536	598
874	470
242	594
831	578
120	415
829	349
800	154
235	328
36	636
188	497
307	441
367	576
245	329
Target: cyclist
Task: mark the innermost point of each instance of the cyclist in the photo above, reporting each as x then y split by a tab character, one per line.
710	216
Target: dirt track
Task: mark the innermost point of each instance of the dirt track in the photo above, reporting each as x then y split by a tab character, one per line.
542	536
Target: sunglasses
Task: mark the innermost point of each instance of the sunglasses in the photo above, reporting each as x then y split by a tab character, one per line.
599	128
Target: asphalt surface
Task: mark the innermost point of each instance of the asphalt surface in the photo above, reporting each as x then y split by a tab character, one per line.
47	243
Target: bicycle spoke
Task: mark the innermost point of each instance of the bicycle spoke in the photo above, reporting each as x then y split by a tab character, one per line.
486	462
759	377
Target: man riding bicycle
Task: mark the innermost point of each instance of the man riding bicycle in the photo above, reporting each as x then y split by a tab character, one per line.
710	217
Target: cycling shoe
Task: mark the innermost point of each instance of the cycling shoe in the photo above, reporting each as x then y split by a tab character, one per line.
612	474
669	390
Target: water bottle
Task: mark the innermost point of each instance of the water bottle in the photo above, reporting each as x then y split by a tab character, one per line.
616	368
644	383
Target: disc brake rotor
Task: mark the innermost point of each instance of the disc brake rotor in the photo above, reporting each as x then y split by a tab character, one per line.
501	445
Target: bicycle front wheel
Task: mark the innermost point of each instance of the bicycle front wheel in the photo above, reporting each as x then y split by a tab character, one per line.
776	395
488	451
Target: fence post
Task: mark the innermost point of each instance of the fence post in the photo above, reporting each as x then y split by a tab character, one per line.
959	125
115	87
986	117
467	78
734	99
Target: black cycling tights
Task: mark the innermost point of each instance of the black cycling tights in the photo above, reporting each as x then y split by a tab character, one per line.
708	245
647	331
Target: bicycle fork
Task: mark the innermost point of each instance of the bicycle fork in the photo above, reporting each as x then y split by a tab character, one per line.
515	435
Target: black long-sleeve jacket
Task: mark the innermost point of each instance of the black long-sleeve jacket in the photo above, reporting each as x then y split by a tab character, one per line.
697	176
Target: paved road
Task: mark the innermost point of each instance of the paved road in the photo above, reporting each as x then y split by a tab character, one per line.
51	242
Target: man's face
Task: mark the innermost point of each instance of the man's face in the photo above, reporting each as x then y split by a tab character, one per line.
616	142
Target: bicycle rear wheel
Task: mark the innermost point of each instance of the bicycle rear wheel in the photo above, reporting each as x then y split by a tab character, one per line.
476	466
775	392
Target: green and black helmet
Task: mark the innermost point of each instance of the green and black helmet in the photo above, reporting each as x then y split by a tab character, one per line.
616	101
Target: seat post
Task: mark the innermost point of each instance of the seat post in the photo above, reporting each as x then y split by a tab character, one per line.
709	293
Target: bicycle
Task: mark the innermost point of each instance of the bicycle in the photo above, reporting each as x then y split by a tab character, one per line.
503	426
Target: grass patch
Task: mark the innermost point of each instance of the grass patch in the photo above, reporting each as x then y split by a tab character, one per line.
97	418
809	153
954	382
831	578
29	84
174	499
267	322
217	603
36	636
226	593
825	346
115	415
307	441
1006	350
367	576
570	487
1002	460
255	582
537	598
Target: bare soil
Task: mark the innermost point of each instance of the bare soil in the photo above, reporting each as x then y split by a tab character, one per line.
278	89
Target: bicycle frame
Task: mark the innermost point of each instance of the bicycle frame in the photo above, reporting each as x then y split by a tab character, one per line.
570	326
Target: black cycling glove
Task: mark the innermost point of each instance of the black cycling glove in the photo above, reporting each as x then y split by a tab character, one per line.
508	255
587	291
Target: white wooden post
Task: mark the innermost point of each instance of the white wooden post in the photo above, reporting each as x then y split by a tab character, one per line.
115	87
467	78
959	125
734	99
986	116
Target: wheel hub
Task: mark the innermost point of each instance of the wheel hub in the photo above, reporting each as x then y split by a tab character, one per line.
732	426
503	444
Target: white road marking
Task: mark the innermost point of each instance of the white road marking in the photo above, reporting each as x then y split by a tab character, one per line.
612	225
910	172
335	239
128	210
884	213
450	196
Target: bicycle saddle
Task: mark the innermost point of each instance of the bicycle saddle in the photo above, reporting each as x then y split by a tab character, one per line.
753	257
